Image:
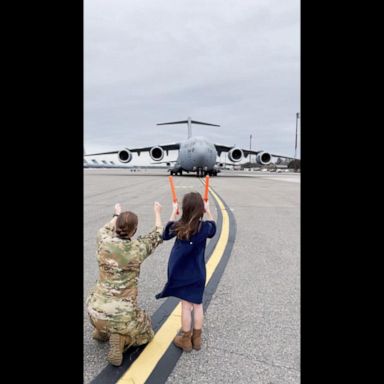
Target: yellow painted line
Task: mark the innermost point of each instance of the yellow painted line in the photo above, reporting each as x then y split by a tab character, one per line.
222	242
143	366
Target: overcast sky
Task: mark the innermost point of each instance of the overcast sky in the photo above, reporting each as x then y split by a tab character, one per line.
235	63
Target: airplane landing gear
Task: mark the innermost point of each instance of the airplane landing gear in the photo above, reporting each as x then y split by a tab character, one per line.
202	173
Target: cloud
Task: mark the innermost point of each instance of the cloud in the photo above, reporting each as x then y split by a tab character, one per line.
233	63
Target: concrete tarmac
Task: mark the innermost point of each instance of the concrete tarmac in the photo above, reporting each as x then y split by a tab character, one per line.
252	325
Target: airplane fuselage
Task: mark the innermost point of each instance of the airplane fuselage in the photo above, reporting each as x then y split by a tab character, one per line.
197	153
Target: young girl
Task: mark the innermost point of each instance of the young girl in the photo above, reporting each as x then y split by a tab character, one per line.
186	266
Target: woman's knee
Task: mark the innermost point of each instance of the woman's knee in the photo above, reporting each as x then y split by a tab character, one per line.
100	325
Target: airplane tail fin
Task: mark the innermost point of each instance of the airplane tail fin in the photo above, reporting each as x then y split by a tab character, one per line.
202	123
189	122
186	122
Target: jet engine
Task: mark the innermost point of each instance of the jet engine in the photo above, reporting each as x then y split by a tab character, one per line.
263	158
125	155
235	155
156	153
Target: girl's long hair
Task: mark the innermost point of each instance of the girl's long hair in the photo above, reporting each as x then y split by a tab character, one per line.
193	211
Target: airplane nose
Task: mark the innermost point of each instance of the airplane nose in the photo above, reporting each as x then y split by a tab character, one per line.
200	155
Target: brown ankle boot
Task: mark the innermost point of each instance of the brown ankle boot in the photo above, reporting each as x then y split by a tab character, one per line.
184	341
117	345
196	339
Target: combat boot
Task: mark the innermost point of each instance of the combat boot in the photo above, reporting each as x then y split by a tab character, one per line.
184	341
117	345
100	336
196	339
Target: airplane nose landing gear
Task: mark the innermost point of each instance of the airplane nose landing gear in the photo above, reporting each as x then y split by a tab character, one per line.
200	172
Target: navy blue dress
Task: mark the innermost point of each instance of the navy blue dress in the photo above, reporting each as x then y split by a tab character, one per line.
186	265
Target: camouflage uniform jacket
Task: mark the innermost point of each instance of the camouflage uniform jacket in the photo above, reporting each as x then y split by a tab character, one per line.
115	295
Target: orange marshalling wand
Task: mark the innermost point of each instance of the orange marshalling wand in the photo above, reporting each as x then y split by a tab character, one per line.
173	191
206	188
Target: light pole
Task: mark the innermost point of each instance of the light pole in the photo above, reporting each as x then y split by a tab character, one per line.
297	119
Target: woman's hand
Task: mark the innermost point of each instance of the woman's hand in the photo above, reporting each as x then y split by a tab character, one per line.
175	206
157	207
117	209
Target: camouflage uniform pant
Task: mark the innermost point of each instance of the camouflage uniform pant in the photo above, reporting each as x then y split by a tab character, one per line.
140	330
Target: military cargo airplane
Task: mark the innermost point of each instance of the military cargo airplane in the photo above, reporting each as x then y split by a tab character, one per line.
196	154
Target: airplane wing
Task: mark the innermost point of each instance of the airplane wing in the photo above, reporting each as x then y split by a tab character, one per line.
166	147
283	157
248	152
224	148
